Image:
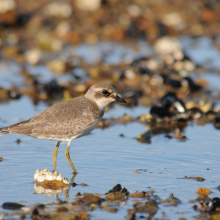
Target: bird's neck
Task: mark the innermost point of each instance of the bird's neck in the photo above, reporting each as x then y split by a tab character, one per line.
101	104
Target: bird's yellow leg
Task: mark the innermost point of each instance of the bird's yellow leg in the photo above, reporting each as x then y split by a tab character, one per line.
55	155
68	157
73	177
67	194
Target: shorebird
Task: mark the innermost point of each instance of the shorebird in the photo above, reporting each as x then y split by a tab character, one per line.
68	120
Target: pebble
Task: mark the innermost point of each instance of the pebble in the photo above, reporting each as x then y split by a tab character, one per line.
12	206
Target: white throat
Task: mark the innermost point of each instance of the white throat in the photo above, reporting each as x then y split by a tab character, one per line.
103	102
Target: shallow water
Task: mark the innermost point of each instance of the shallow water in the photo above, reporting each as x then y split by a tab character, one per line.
103	158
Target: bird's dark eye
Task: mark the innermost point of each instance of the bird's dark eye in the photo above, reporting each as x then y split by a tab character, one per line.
105	92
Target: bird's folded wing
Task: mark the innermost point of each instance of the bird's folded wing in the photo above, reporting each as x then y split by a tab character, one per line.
61	119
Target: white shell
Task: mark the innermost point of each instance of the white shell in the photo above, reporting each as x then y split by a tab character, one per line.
45	174
49	176
60	177
41	177
66	181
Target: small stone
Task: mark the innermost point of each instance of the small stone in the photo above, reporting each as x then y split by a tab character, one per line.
80	88
127	117
173	200
58	9
40	206
25	209
86	5
152	192
82	215
139	194
200	179
89	198
12	206
192	200
18	141
149	207
83	184
145	137
110	209
146	118
35	214
202	197
59	66
73	184
131	214
116	196
137	172
33	56
62	209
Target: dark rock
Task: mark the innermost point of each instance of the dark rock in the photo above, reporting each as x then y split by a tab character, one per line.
168	136
149	207
52	88
131	214
73	184
209	205
118	188
35	212
12	206
173	200
145	137
171	82
160	112
216	121
210	113
193	87
195	112
116	196
40	206
18	141
145	70
170	99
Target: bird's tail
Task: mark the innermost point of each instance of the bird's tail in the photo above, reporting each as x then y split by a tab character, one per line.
2	132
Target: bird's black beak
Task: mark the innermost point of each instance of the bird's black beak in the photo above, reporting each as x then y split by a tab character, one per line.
119	99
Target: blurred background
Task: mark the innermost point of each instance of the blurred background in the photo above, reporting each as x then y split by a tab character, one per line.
51	49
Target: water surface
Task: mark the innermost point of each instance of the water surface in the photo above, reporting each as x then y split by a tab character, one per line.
104	159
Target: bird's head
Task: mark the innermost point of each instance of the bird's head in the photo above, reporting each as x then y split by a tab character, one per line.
103	94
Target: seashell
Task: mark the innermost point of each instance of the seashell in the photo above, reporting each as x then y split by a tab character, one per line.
49	176
60	177
66	181
36	174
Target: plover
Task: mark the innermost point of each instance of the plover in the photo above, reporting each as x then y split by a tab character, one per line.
68	120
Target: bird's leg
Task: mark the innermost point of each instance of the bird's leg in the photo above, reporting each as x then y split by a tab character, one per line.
55	155
68	157
67	194
73	177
